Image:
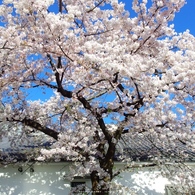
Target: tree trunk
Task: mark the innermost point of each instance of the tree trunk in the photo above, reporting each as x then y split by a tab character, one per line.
97	189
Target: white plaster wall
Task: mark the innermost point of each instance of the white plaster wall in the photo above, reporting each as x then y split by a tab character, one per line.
47	179
142	182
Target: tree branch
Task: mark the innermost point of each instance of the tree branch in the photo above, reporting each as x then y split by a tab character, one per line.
35	125
96	6
60	89
38	126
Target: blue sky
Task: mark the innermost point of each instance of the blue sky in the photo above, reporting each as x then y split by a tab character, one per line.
185	19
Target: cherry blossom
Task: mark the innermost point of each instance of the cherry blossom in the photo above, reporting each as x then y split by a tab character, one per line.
100	72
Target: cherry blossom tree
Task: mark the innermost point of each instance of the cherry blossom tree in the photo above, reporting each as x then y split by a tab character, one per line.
105	75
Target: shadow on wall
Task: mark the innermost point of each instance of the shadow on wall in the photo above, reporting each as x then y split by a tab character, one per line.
45	180
143	182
